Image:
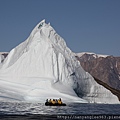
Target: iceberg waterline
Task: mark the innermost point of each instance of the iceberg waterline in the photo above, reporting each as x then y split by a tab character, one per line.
44	67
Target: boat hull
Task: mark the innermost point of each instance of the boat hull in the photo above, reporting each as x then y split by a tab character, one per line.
56	104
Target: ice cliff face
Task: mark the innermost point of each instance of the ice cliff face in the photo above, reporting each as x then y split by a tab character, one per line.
44	67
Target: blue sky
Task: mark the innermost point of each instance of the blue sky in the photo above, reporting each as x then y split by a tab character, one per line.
85	25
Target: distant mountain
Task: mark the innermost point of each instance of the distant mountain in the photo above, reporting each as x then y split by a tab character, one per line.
105	69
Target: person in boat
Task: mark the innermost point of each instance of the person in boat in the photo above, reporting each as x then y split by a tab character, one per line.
50	101
53	101
56	101
47	100
59	101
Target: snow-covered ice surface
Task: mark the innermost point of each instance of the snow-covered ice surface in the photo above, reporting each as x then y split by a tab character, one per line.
44	67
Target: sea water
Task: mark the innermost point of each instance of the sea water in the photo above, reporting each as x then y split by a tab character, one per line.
24	108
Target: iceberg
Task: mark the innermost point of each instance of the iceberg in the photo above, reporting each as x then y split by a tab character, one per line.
43	67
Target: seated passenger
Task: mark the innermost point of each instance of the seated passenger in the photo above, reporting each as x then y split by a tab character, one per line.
56	101
50	101
59	101
47	100
53	101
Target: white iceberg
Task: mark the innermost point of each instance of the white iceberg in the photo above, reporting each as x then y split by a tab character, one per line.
44	67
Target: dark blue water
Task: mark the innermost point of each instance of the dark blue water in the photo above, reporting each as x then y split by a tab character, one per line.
71	108
22	108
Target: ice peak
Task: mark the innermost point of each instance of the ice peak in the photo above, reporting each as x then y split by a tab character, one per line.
43	21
